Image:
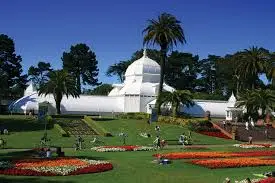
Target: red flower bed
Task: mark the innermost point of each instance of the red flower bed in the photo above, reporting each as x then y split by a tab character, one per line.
93	169
215	134
200	155
233	162
268	180
53	167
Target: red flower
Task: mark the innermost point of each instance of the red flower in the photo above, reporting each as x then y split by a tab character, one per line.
215	134
268	180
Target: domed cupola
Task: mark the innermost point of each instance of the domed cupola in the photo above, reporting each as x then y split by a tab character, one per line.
143	70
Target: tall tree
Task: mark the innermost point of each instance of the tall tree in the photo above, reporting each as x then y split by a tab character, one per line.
257	100
60	83
82	64
166	32
252	62
270	70
209	74
12	82
118	69
103	90
38	75
182	70
176	98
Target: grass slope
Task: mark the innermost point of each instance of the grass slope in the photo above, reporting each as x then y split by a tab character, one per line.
26	133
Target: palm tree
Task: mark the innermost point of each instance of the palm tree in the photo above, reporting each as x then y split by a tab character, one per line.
165	32
60	83
176	98
251	63
270	69
257	100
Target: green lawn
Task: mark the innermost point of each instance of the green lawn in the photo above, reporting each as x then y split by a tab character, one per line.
26	133
134	167
137	167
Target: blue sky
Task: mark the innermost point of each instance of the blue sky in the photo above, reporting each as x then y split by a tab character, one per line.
43	30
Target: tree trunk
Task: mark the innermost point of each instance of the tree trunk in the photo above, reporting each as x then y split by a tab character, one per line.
78	83
162	68
58	107
58	99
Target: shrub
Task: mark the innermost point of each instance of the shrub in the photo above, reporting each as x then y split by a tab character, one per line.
133	115
96	127
193	124
61	131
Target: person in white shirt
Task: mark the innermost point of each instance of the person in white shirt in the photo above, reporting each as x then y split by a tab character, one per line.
246	125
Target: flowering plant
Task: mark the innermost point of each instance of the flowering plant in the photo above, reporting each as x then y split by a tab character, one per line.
53	167
200	155
233	162
248	146
121	148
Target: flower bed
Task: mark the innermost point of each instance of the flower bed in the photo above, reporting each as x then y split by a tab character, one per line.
200	155
248	146
268	180
121	148
233	162
214	134
53	167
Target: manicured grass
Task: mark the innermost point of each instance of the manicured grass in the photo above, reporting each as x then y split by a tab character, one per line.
128	166
26	133
138	167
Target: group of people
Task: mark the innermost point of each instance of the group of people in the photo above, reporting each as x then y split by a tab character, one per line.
183	139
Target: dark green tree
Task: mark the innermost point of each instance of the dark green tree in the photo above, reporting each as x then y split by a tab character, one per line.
60	83
165	32
208	78
118	69
82	64
103	89
12	82
182	70
251	63
176	98
38	75
270	70
257	100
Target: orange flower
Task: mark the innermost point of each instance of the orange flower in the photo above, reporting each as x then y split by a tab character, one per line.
200	155
50	163
233	162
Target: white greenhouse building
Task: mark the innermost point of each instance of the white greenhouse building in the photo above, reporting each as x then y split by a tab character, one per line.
137	94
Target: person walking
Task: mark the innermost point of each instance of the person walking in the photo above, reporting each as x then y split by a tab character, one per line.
250	139
157	142
182	139
224	124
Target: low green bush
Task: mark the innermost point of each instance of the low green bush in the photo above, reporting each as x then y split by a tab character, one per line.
96	127
61	131
192	124
134	115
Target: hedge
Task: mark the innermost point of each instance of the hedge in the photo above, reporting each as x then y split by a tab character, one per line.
96	127
134	115
60	129
192	124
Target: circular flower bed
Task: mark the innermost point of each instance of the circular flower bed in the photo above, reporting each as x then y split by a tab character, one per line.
121	148
53	167
248	146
